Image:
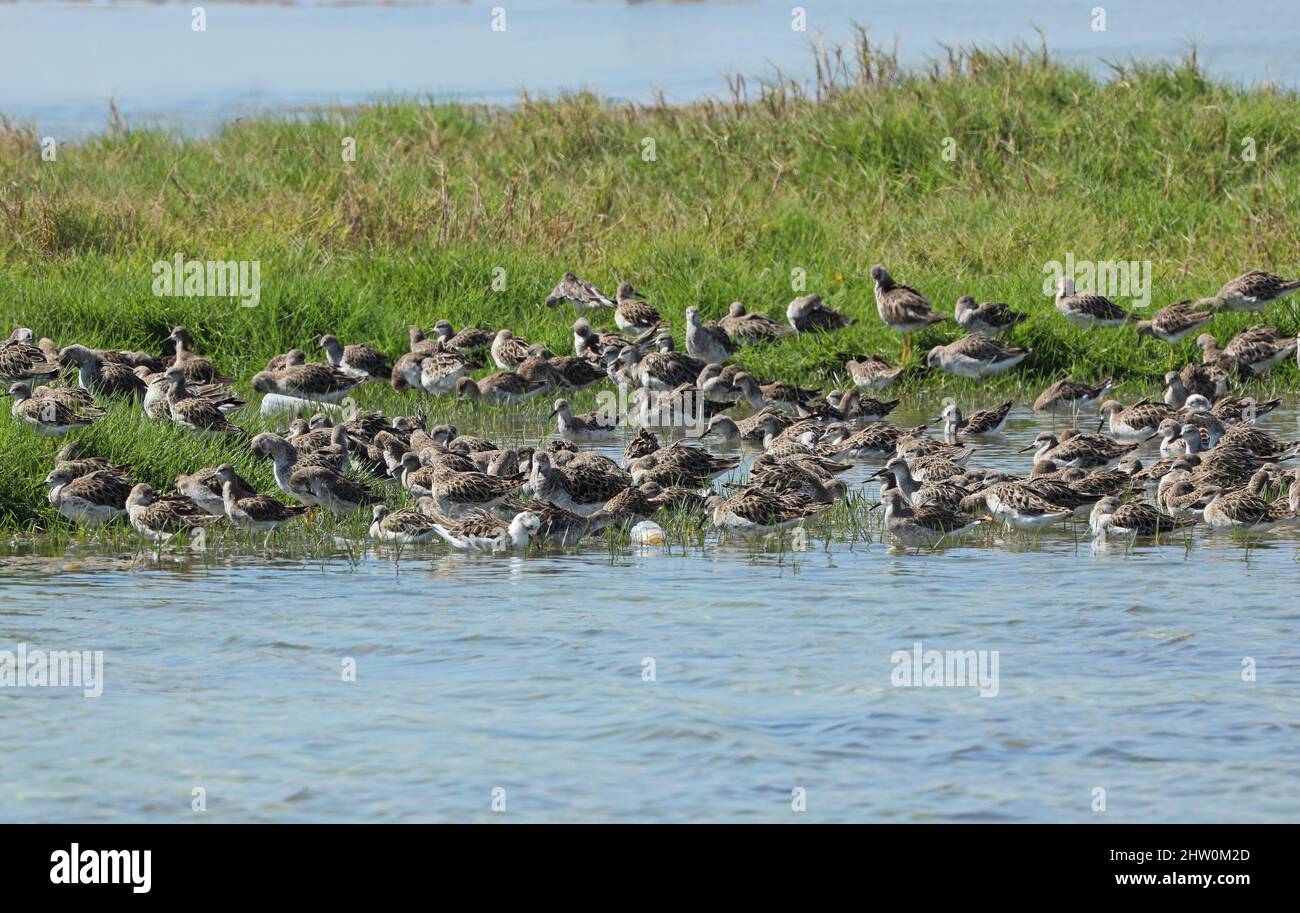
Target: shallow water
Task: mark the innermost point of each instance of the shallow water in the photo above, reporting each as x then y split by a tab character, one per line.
1119	669
64	62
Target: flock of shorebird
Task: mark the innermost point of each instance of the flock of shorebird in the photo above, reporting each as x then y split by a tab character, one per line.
1214	465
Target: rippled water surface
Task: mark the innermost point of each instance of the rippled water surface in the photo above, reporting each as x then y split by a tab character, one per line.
1119	669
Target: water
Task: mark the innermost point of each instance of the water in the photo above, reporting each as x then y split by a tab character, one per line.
1119	669
62	63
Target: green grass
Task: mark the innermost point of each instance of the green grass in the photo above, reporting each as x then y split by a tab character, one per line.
1145	165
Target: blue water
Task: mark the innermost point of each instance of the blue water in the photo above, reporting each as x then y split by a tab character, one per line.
1119	669
62	63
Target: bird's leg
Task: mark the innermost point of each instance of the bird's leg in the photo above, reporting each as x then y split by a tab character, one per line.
907	347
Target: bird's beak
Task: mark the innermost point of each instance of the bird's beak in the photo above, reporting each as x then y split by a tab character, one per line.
1027	449
551	414
1101	424
874	506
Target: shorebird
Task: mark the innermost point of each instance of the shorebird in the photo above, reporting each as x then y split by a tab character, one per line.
673	497
450	437
579	293
101	377
159	518
1173	323
505	387
934	467
753	428
631	314
507	351
401	527
435	373
590	344
23	363
744	327
154	401
581	488
483	532
573	372
71	463
586	424
875	442
1087	451
1198	412
72	397
455	492
198	370
317	435
976	357
205	487
808	315
1135	423
1252	291
322	486
286	461
663	370
792	476
191	412
707	342
260	513
902	308
1086	309
679	464
315	380
985	421
990	319
365	362
292	358
872	372
48	416
1071	395
757	511
786	396
925	524
1178	438
915	492
1234	409
1018	505
95	498
564	528
469	339
1182	497
718	383
1253	351
1113	517
1243	511
536	368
